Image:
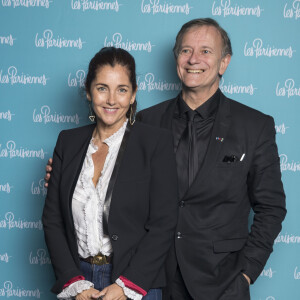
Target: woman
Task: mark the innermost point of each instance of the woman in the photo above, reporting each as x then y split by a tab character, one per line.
111	205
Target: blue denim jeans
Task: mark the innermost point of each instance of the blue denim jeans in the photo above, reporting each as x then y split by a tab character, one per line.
100	276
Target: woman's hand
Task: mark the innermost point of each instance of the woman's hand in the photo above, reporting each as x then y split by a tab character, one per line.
112	292
87	294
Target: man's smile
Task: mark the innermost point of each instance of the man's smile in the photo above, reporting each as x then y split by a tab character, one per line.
195	71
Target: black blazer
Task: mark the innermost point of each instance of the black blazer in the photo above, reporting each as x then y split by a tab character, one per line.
215	244
143	210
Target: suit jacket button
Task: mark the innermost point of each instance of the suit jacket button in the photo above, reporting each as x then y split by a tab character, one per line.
114	237
179	235
181	203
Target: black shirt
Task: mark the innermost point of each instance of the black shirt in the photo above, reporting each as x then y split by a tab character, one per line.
203	123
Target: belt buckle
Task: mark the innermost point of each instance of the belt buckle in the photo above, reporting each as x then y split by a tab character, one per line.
99	260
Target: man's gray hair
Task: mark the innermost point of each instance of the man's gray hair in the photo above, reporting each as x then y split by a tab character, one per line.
198	23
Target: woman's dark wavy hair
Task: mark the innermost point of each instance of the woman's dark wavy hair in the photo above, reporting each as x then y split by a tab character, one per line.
112	56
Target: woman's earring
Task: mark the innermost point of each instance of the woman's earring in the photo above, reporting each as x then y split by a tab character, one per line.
91	114
131	116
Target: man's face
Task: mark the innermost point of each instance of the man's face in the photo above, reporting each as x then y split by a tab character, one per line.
200	61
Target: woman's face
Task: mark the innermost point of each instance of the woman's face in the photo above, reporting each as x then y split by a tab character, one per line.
111	95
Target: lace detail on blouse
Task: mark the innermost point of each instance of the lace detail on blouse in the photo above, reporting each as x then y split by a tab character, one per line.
75	288
129	293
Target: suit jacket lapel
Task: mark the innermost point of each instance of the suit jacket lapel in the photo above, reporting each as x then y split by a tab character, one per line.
168	115
218	136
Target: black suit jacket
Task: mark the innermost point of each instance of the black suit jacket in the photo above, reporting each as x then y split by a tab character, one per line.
143	210
214	244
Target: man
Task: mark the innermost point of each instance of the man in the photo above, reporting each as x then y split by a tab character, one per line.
232	165
227	163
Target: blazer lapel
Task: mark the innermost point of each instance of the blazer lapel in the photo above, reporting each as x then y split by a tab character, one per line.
73	166
218	136
113	178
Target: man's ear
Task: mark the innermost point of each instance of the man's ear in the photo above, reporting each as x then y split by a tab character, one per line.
224	64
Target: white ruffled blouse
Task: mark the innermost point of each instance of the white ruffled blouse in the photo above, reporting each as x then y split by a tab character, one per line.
88	200
87	210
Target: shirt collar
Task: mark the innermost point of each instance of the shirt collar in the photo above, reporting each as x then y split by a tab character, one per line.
114	139
206	110
117	136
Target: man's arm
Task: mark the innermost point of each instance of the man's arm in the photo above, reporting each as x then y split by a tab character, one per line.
267	199
162	198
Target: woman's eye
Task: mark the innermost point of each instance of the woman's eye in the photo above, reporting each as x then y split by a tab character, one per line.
101	88
122	90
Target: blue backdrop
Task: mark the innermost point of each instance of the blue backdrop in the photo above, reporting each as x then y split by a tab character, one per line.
45	47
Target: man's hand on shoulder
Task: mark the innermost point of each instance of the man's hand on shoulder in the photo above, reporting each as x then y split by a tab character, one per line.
48	171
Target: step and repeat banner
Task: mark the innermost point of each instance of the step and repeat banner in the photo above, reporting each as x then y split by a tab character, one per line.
45	48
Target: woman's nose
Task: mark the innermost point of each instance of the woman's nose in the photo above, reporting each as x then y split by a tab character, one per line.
111	99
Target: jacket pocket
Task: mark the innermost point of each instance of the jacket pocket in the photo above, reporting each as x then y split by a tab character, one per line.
225	165
230	245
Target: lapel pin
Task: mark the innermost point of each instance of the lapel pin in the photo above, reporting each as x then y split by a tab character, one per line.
219	139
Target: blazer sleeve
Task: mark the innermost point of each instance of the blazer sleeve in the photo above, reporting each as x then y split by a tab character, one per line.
152	250
63	263
267	199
